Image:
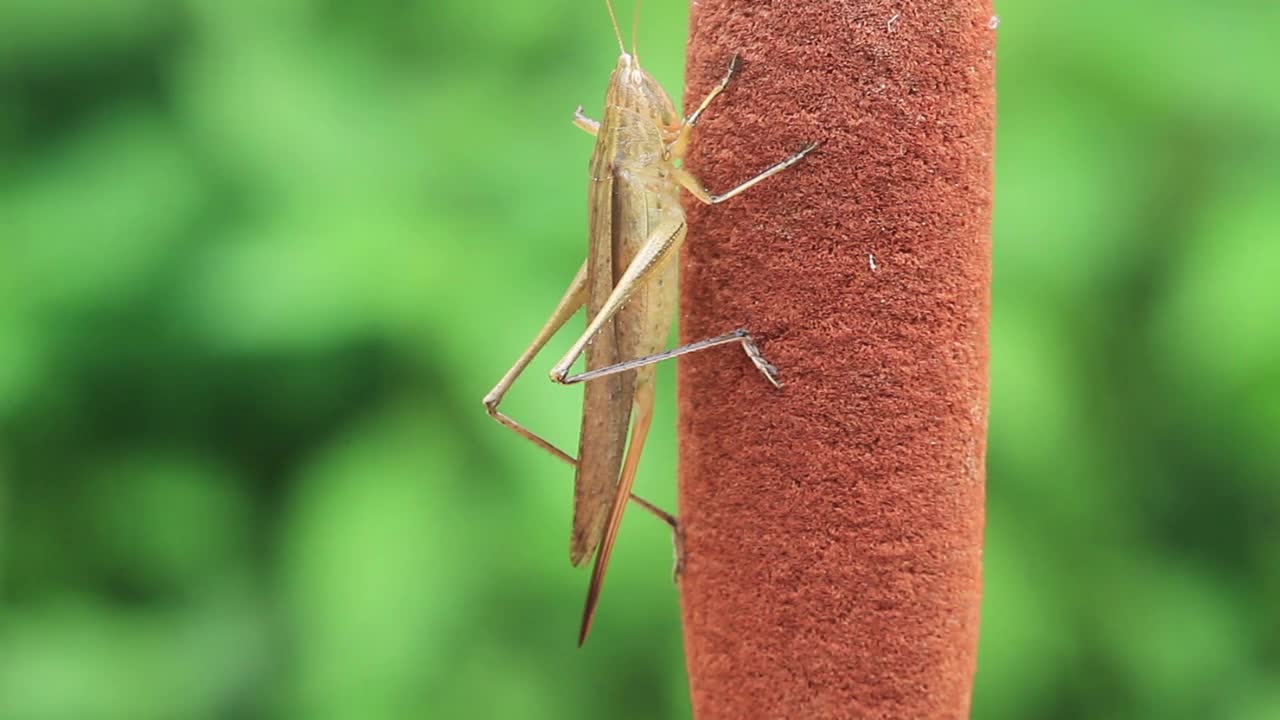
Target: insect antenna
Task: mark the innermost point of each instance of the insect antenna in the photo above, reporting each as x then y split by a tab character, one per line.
616	32
635	32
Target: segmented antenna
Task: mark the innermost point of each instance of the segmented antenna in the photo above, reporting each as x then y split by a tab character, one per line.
635	31
616	32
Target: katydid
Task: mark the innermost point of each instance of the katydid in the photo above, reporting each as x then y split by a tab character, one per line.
628	285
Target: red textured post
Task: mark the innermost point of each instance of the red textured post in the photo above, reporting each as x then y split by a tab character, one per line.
833	528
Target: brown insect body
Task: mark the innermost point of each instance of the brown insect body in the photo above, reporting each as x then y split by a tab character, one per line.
628	284
631	196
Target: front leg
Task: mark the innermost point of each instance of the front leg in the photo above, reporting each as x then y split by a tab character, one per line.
590	126
681	143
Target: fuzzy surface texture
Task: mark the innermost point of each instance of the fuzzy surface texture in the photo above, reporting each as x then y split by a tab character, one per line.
833	528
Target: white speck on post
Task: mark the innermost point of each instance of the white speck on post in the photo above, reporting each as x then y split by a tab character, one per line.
871	262
994	22
892	20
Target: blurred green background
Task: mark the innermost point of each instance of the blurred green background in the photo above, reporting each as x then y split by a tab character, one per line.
260	260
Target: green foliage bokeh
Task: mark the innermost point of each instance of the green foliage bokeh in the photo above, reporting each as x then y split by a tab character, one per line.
260	260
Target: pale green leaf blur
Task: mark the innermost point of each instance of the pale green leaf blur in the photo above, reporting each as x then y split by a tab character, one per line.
260	260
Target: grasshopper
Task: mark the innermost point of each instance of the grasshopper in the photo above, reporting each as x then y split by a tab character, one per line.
628	285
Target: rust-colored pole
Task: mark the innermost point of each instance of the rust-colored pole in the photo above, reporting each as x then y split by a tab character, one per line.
833	529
